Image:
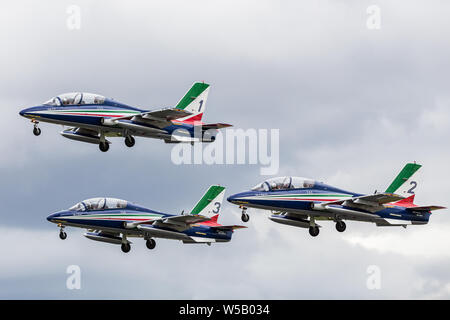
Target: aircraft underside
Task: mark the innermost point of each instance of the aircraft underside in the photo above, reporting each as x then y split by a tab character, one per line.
120	235
98	133
307	218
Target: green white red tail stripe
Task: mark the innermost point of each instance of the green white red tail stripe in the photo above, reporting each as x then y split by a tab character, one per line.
194	101
211	202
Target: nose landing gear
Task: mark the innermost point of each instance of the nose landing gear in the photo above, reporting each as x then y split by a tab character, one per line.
62	234
36	129
244	217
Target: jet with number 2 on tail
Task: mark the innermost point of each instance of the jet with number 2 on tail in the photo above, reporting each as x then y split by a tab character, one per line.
93	118
114	221
301	202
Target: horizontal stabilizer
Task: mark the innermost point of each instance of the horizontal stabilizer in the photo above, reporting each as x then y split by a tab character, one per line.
200	240
392	223
426	208
215	126
227	228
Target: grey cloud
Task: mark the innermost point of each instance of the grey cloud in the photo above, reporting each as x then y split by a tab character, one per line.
352	106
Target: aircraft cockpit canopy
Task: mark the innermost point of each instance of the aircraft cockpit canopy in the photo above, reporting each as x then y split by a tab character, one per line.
99	204
284	183
75	98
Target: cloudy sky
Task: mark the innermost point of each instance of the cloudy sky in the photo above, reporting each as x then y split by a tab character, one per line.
352	104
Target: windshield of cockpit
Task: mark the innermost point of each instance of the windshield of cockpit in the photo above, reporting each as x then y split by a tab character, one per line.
99	204
75	98
284	183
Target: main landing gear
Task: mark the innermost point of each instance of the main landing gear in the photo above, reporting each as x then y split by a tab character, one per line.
314	231
103	146
129	141
313	228
126	247
244	217
340	226
150	243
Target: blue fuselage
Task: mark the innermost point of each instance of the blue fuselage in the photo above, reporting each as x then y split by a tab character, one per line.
91	116
301	201
114	220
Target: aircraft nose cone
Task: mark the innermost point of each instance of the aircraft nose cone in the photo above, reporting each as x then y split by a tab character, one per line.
25	111
53	216
235	197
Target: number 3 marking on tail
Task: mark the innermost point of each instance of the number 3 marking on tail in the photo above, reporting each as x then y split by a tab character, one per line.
216	210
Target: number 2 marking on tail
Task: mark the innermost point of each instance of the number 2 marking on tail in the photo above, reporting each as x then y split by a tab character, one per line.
414	185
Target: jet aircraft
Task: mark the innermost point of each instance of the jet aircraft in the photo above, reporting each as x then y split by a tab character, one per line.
92	118
114	221
300	202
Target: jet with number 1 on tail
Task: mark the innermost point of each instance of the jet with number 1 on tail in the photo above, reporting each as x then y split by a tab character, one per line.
92	118
115	221
301	202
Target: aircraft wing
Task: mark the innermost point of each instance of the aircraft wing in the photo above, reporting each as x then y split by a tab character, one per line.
163	114
180	222
166	114
185	220
171	222
372	203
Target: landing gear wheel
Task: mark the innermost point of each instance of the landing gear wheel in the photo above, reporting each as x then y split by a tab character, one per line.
36	131
104	146
129	141
245	217
125	247
150	243
340	226
314	231
62	235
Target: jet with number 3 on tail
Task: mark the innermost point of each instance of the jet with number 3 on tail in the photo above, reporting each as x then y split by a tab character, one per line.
115	221
92	118
302	202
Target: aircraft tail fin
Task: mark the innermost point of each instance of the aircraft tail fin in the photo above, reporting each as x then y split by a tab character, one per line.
194	101
406	182
211	203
